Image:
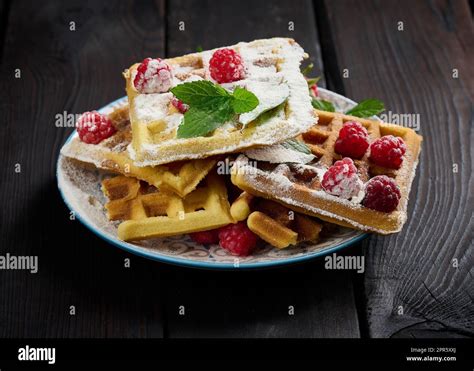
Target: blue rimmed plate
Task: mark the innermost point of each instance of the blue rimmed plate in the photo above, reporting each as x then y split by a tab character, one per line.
80	189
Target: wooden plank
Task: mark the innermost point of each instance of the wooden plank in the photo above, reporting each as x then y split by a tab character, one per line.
208	25
4	11
412	72
254	304
258	304
73	71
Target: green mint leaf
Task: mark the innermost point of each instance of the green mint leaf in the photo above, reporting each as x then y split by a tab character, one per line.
367	108
267	115
244	100
307	69
201	93
313	81
201	121
199	49
323	105
210	106
296	145
270	93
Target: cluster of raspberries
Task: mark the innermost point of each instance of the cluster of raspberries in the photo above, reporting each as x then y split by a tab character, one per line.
342	180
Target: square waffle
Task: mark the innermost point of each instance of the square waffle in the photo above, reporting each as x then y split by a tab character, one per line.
110	154
273	222
149	213
298	187
270	65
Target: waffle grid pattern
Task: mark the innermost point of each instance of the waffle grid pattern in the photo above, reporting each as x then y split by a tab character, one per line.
149	213
300	189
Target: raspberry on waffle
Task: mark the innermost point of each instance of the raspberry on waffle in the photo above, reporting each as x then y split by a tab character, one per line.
261	66
302	190
110	154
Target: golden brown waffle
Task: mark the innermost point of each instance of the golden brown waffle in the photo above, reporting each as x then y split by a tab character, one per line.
111	154
149	213
273	222
298	186
155	121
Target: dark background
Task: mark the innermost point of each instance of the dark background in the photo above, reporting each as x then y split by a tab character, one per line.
75	71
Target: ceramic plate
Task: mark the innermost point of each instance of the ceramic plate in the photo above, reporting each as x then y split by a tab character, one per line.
80	189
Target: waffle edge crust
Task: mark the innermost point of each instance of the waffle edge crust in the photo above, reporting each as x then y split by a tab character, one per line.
111	155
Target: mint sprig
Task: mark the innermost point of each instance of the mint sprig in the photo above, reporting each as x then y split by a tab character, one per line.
307	69
312	81
323	105
210	106
296	145
364	109
200	93
367	108
201	121
267	115
244	101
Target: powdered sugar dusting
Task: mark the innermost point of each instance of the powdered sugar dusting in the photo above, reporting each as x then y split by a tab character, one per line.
80	189
156	77
282	187
342	180
152	107
190	78
346	186
302	168
278	153
259	58
172	122
270	94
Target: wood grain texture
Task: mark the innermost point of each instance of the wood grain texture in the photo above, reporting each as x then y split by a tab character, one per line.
73	71
294	302
4	7
412	72
254	304
211	24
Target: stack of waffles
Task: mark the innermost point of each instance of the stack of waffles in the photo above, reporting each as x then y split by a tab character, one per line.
249	105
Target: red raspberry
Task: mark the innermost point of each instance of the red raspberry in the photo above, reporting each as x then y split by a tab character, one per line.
153	76
381	194
314	90
388	151
238	239
93	127
205	237
353	140
342	180
226	66
180	106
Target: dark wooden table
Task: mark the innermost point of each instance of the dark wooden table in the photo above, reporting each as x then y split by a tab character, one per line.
417	283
